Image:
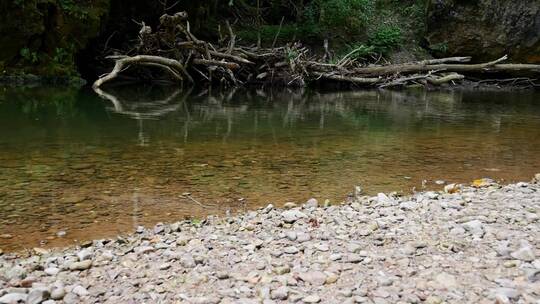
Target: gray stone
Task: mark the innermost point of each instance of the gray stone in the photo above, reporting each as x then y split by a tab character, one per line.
475	227
291	250
85	254
291	235
145	249
316	278
205	300
282	270
36	296
524	253
52	271
289	205
175	227
15	272
311	299
533	275
222	275
281	293
159	228
509	293
291	216
384	199
71	298
83	265
354	258
312	203
446	281
164	266
335	256
80	291
12	298
58	293
303	237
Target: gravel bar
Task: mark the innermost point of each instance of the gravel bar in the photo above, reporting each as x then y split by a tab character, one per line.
465	244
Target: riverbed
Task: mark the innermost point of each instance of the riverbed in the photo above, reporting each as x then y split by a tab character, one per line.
76	166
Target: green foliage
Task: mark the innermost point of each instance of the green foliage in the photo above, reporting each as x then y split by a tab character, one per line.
73	9
70	7
346	14
352	14
287	33
196	222
291	55
414	16
386	38
440	47
29	56
63	56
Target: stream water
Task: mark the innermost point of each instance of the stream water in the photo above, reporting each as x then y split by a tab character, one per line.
75	166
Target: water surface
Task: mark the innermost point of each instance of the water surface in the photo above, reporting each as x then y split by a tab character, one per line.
93	166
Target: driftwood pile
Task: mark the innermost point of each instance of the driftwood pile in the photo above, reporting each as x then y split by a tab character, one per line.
175	50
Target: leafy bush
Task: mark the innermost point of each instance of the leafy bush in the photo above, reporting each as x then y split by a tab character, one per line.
346	14
287	33
386	38
29	56
62	56
73	9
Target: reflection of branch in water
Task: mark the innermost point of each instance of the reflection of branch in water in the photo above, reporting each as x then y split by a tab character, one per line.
229	127
230	111
186	123
135	213
142	110
143	139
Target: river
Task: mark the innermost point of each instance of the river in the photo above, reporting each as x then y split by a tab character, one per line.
75	166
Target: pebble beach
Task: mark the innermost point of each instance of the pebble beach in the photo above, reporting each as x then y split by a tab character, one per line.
475	243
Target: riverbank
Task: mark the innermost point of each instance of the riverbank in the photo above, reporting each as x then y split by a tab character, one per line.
462	245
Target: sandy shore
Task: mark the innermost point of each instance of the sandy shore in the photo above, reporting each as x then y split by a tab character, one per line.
463	245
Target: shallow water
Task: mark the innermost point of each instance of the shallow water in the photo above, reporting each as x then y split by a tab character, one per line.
93	167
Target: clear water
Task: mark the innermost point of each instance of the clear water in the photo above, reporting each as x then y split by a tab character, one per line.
98	166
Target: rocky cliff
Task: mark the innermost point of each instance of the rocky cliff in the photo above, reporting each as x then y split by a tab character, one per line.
485	29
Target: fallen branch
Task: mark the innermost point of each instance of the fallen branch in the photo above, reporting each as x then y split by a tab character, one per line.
228	65
445	60
170	65
351	79
419	68
174	49
404	80
445	79
232	36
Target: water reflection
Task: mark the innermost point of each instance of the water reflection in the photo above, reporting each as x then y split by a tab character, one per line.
97	165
